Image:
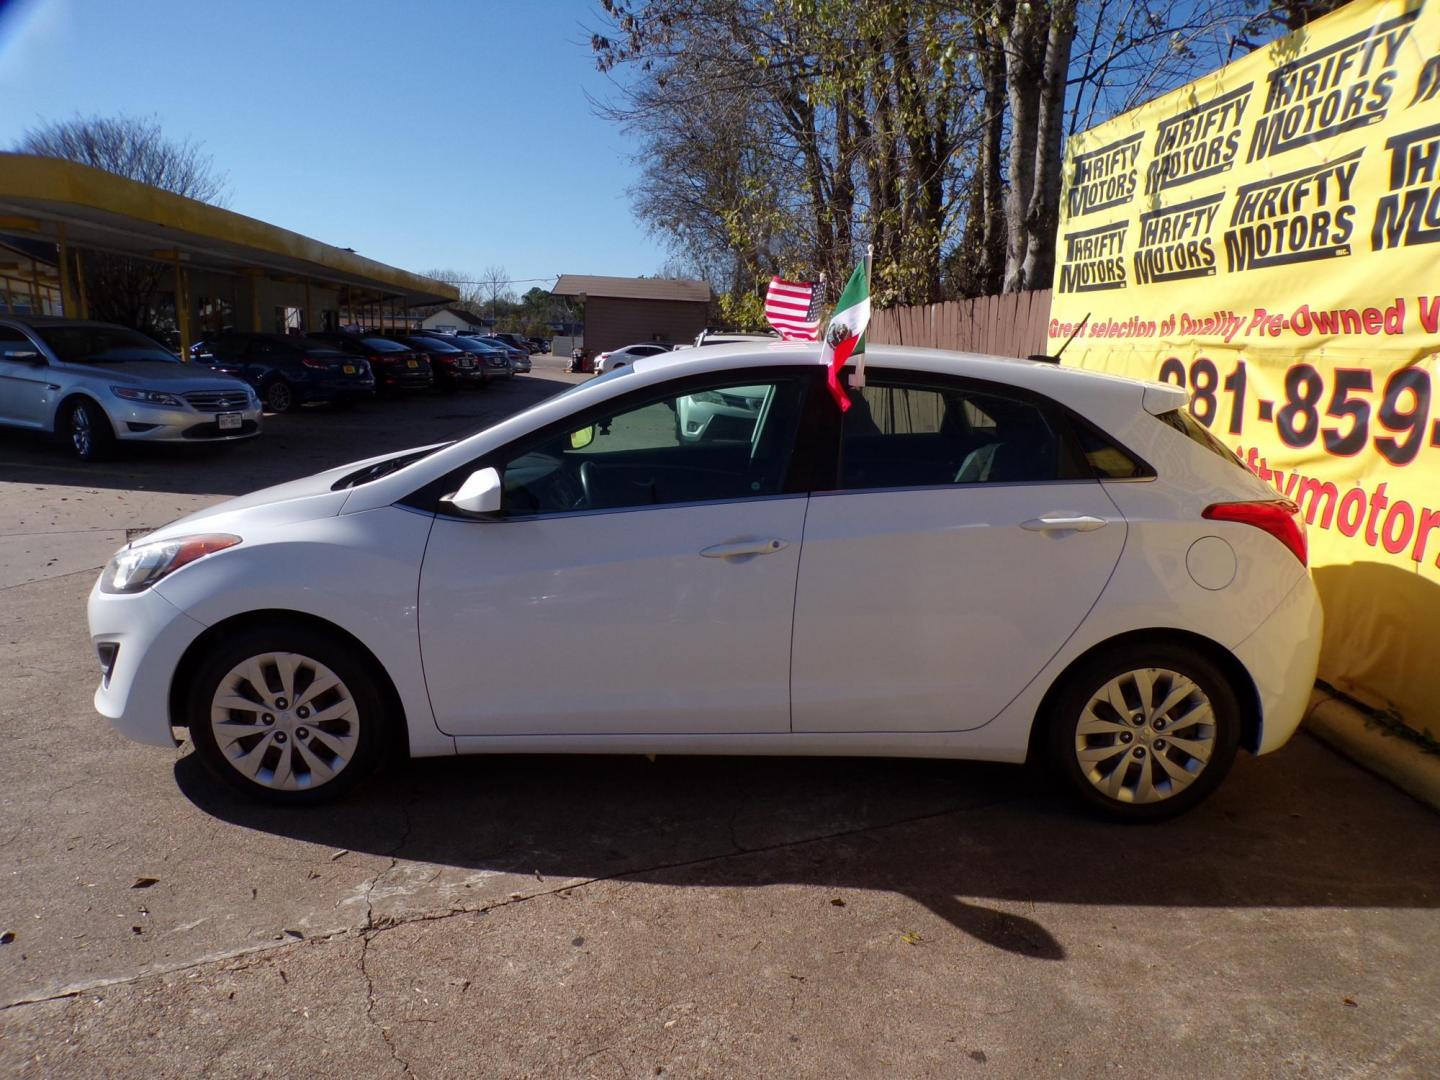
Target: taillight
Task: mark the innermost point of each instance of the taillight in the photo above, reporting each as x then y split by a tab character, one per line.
1278	517
312	362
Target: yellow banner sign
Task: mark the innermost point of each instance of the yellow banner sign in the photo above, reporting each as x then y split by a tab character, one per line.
1269	238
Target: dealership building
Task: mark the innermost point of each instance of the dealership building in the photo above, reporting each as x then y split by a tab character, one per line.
61	224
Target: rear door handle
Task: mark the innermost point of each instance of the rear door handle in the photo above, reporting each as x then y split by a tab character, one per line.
1064	523
744	547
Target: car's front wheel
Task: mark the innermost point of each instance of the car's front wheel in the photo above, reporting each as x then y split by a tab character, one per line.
286	714
1144	733
87	431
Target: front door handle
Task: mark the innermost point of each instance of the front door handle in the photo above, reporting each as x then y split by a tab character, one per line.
744	547
1064	523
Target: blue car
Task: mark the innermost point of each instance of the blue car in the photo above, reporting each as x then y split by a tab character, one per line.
287	371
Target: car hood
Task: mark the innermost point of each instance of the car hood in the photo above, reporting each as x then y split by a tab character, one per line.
178	378
306	499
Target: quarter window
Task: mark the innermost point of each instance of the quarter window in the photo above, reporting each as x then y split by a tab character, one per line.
924	436
711	443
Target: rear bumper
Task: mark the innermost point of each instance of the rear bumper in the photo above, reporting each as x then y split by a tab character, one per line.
1282	656
335	389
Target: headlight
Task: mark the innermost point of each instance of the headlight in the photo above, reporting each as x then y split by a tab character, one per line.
141	565
148	397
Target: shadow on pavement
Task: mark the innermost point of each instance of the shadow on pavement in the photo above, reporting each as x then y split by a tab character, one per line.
1298	830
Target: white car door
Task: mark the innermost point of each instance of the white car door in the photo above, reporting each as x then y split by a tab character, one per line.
955	559
634	583
25	394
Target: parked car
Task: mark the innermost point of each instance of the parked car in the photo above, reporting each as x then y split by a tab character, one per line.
490	362
983	558
515	341
94	384
519	358
728	337
454	367
609	361
542	345
396	366
287	371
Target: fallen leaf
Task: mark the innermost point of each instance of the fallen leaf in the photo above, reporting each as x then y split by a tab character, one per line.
837	902
7	937
136	930
1352	1003
911	937
295	934
145	882
342	851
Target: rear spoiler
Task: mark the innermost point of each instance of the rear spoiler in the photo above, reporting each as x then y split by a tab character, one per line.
1164	397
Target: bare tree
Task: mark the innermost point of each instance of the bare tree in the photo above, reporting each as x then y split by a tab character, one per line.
122	288
495	280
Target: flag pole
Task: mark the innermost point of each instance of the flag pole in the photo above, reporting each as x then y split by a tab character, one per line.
857	377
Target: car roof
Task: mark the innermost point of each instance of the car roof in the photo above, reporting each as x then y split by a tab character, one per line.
39	321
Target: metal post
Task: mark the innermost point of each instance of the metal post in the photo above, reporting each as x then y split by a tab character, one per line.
307	321
37	302
182	308
67	301
80	280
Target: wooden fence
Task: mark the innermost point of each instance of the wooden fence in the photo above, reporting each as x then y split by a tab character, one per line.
1012	324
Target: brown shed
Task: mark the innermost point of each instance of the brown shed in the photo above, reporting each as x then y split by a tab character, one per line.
627	311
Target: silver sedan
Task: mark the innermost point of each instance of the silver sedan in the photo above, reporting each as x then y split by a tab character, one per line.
93	384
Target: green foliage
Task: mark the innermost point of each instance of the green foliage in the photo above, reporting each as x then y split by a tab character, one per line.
742	311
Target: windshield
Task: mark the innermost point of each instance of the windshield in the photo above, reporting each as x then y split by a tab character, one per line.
102	345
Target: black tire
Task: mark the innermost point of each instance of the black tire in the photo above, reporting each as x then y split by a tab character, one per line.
86	431
1145	741
364	723
279	396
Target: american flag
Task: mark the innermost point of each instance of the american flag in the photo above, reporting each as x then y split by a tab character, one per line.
793	308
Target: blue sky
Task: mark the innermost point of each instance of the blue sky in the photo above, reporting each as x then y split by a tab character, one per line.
444	133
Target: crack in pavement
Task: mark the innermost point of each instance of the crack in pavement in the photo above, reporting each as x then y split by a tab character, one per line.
367	931
373	928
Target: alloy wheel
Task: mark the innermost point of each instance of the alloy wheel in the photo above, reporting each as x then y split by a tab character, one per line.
285	721
1145	736
279	397
82	431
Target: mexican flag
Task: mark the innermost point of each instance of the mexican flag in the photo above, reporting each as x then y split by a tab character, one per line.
845	336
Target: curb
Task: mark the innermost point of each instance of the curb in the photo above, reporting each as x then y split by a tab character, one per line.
1347	730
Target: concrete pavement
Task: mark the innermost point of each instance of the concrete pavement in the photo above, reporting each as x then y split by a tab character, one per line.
587	916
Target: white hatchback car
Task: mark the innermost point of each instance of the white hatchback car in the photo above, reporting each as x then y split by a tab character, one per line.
983	558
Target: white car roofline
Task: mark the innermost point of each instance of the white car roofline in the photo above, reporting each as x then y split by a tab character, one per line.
1091	393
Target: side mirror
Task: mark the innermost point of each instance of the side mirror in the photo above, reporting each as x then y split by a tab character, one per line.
25	356
479	494
582	438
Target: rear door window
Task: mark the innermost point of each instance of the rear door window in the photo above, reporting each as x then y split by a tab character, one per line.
923	434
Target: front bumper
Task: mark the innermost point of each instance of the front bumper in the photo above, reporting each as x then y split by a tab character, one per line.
1282	656
156	423
152	635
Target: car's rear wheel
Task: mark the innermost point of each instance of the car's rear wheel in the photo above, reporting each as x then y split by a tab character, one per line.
87	431
279	397
286	714
1144	733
